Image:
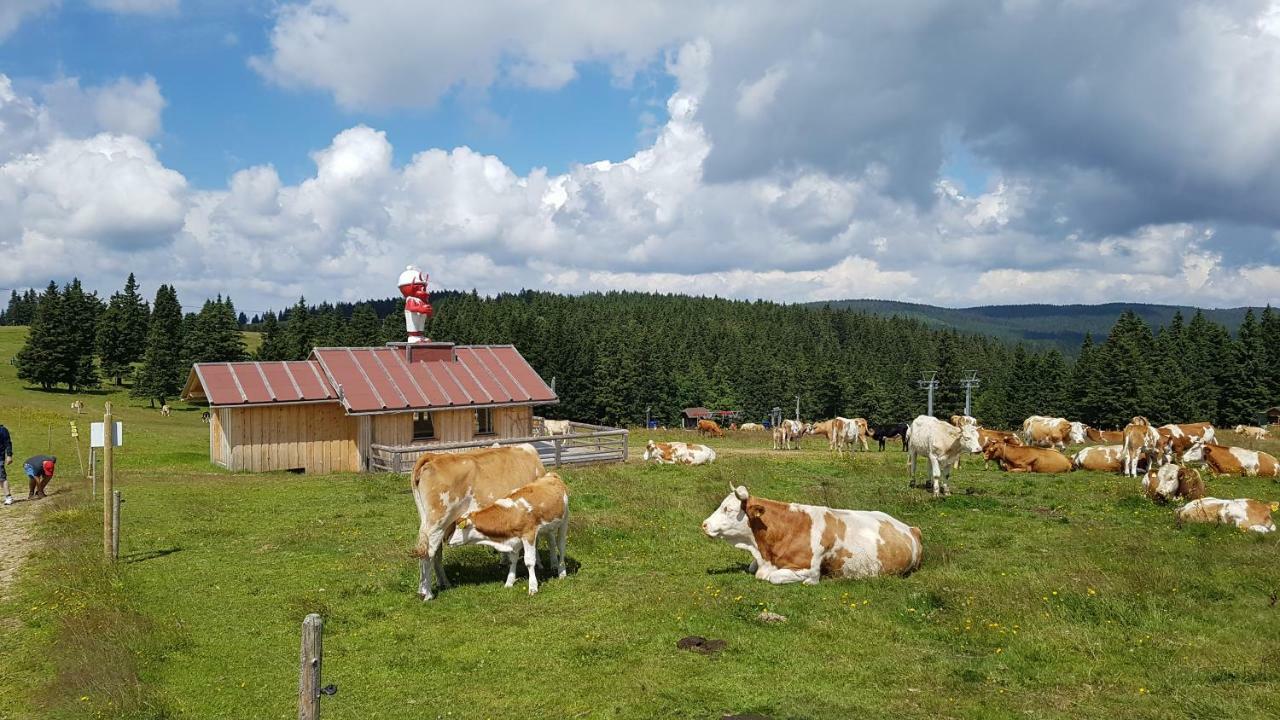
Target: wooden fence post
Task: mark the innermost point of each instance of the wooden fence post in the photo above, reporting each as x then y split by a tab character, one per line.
309	668
559	443
115	524
107	478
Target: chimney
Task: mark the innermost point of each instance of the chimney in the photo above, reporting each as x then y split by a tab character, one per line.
426	351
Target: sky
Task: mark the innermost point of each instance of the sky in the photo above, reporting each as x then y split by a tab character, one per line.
955	153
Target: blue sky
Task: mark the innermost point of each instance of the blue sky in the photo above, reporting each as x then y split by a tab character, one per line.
222	116
949	152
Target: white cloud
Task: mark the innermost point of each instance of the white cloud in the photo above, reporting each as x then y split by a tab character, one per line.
756	97
126	106
649	222
13	12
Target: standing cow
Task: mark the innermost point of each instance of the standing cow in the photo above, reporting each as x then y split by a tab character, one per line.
788	431
790	542
710	427
942	444
883	433
446	486
512	524
1139	439
1041	431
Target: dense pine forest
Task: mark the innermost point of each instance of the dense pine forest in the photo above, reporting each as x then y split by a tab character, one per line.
616	356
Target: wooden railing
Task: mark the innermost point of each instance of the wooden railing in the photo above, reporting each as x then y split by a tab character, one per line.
583	444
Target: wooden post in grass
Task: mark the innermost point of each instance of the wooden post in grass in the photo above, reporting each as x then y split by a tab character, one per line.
115	524
108	426
309	668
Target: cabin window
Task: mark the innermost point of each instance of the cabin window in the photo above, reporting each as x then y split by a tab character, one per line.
484	421
423	427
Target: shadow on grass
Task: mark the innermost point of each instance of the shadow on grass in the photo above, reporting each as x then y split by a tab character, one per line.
478	571
729	569
144	555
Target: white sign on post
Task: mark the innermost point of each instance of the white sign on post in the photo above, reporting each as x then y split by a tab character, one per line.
96	435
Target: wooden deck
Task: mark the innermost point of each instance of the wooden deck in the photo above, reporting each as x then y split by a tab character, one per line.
584	444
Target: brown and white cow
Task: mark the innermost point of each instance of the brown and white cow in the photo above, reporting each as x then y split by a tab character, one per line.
833	431
1103	458
1041	431
790	542
671	453
789	431
985	436
1223	460
1171	481
751	427
1139	439
710	427
1248	515
1253	432
512	524
446	486
942	444
1020	458
1093	434
856	431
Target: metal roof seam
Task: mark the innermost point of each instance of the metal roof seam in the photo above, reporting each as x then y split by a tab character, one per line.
475	352
392	381
507	370
267	383
449	371
365	375
294	381
236	380
412	380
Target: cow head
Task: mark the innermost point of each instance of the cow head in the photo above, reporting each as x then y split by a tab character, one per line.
729	521
1195	453
969	439
991	450
466	533
1076	436
650	450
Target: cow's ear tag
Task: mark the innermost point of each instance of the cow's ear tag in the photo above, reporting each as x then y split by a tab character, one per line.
463	523
1275	506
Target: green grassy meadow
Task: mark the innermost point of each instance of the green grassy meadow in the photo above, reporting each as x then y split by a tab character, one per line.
1040	596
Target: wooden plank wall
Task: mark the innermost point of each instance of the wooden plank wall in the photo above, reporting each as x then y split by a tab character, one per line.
510	422
396	429
217	438
318	438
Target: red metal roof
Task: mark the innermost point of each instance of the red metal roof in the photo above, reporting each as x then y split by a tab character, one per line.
258	383
379	379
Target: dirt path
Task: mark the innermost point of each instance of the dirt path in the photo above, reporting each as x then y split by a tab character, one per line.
17	524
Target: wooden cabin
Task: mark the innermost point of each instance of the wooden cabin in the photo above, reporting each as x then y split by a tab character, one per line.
330	412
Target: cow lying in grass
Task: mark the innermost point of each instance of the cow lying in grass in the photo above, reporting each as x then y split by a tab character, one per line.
1021	458
679	452
512	524
1248	515
1172	481
790	543
1224	460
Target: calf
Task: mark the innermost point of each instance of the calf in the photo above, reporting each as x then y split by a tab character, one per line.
1223	460
446	486
1019	458
710	427
164	410
1248	515
1172	481
512	524
884	432
678	452
787	431
942	443
790	542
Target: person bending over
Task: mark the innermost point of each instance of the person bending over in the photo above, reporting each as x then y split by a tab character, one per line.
39	472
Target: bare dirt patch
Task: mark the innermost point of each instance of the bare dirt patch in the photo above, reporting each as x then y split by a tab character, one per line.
17	525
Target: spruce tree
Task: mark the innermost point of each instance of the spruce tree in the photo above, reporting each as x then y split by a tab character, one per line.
214	335
297	336
81	311
1269	333
163	370
364	329
122	332
1244	392
272	347
44	356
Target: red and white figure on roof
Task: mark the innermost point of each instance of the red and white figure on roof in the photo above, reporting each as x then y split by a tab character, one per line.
417	302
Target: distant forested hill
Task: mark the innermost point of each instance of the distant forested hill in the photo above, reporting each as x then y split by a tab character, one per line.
1060	326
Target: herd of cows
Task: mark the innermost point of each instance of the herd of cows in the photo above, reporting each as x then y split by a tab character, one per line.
503	497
